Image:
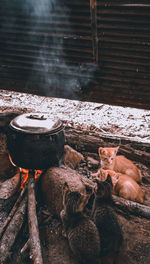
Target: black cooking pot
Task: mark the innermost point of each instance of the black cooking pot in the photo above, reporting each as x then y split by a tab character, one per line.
35	140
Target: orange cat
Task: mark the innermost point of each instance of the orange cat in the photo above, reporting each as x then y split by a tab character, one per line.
110	161
123	185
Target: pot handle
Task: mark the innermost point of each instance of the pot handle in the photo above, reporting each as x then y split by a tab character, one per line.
36	116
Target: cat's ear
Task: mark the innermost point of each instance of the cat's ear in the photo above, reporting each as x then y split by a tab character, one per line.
98	182
101	150
65	190
89	189
99	188
116	149
109	180
65	187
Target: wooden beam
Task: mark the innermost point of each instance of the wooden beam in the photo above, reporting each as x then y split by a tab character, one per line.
93	11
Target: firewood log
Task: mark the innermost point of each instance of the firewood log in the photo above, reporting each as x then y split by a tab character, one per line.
10	186
35	247
12	212
52	182
132	207
12	231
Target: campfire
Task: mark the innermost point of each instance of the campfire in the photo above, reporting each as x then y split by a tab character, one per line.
28	179
25	174
27	198
34	141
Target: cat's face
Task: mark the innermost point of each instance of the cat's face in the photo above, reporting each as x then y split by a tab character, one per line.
104	188
107	156
74	201
114	175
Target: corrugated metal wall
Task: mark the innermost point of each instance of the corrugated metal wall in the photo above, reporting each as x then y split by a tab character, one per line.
124	48
96	50
61	32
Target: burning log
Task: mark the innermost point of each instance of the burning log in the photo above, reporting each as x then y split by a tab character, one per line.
35	246
12	231
132	207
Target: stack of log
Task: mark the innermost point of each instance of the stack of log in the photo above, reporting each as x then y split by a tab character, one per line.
13	223
8	186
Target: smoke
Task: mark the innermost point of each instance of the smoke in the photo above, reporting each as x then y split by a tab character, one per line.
48	56
38	7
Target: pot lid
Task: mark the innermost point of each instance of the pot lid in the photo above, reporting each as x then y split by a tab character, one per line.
36	123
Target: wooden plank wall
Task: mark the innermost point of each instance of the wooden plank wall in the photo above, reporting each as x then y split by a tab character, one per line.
94	50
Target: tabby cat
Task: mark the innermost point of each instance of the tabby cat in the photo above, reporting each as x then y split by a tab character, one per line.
81	232
106	220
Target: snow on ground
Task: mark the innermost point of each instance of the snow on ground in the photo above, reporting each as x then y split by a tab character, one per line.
111	120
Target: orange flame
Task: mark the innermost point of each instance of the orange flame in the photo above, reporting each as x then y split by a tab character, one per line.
25	175
11	161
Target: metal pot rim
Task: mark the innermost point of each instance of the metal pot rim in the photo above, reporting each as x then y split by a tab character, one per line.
36	123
